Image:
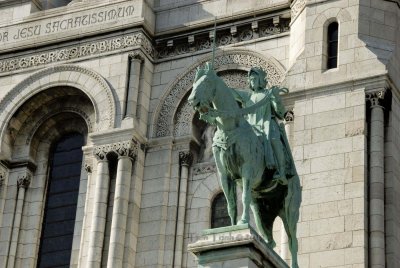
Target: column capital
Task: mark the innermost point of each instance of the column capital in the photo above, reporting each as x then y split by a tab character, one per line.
136	56
124	148
24	180
289	116
185	158
376	97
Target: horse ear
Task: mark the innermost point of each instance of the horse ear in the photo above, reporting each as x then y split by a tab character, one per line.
197	75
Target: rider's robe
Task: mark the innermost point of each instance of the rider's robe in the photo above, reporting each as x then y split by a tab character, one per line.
265	122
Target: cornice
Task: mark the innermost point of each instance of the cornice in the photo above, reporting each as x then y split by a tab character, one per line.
77	52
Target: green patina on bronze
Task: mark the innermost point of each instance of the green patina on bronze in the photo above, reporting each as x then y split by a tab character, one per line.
251	150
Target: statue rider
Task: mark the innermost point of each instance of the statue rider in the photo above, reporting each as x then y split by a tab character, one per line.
266	124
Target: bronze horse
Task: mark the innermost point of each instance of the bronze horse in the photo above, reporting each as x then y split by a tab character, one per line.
240	161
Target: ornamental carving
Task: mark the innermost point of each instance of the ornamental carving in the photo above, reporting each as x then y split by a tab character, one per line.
24	181
124	148
244	59
201	169
76	52
297	7
90	82
289	116
376	97
185	158
224	37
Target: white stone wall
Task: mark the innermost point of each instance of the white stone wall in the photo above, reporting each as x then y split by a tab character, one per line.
329	150
392	184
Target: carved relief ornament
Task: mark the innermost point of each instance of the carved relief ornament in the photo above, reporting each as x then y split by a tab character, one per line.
24	181
185	158
376	97
76	52
297	7
124	148
243	59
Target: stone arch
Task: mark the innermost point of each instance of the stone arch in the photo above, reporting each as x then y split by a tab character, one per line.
330	15
90	83
225	59
201	198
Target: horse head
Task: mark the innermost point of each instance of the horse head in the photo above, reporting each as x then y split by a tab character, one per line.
203	91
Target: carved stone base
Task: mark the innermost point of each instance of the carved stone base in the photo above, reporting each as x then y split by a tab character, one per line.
234	247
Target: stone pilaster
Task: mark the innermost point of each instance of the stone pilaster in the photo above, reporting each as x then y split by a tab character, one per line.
99	208
127	152
135	64
23	184
377	181
185	161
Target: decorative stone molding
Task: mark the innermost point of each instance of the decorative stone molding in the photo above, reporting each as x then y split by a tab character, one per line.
235	58
225	35
296	7
201	169
183	121
76	52
90	82
124	148
289	116
24	181
376	97
75	110
185	158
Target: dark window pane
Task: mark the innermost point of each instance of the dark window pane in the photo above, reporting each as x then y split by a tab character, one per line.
61	202
219	213
333	34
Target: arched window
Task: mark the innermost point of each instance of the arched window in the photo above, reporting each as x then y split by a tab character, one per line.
333	31
61	202
219	212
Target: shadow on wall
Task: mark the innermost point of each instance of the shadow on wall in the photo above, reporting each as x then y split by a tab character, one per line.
38	5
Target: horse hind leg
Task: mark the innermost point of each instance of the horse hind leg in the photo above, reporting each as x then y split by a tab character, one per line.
264	221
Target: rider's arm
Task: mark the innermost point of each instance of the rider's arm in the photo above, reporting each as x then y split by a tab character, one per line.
240	95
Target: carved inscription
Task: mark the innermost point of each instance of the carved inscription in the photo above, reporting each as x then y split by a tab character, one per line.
66	23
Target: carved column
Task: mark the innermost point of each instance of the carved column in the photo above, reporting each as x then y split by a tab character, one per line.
99	209
289	119
88	169
133	86
127	152
377	182
23	183
185	161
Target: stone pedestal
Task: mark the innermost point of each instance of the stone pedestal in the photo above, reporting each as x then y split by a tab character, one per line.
234	247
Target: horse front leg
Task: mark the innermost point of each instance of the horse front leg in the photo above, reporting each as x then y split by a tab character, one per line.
229	189
246	200
228	185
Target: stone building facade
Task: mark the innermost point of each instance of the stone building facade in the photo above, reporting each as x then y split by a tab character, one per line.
116	74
